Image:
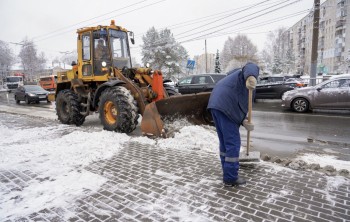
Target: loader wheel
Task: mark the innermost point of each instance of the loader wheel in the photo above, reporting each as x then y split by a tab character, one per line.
68	108
117	109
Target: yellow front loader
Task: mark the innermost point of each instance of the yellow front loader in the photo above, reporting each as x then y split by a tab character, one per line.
104	81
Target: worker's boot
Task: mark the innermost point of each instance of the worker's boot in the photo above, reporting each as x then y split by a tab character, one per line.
239	181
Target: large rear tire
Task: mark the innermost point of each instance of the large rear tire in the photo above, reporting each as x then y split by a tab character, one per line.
117	110
68	108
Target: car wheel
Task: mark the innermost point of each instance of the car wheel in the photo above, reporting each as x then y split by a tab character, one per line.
27	100
171	92
300	105
17	100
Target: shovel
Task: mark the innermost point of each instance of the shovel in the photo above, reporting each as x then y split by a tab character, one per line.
249	156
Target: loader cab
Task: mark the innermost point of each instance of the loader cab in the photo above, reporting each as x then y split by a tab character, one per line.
102	49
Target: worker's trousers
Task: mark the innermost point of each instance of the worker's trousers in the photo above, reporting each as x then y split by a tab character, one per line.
230	144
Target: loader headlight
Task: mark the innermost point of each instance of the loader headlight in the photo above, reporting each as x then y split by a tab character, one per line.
104	64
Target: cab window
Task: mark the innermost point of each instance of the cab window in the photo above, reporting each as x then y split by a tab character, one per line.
86	46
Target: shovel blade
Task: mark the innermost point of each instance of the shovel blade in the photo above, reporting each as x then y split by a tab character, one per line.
191	106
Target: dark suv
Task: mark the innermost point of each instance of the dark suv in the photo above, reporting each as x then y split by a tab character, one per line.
198	83
273	87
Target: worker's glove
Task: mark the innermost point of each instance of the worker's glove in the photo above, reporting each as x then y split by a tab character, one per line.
248	126
250	82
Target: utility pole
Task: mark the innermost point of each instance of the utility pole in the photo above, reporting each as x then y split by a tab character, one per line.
206	58
314	42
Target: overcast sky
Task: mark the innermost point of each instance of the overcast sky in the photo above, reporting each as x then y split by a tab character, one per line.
52	24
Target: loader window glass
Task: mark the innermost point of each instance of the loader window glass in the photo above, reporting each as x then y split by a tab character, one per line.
86	46
101	56
120	48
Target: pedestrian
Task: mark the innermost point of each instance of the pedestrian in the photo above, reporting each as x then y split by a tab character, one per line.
228	105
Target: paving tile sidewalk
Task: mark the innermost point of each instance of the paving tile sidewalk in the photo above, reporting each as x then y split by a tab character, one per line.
146	183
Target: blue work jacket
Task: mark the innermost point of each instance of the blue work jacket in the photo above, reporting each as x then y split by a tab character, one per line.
230	94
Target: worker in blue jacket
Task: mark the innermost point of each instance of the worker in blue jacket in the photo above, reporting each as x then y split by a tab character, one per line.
228	105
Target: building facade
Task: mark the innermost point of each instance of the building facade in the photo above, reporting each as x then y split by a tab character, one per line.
333	40
205	63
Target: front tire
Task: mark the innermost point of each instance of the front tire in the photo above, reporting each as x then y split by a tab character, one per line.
27	100
68	108
117	110
17	100
300	105
171	92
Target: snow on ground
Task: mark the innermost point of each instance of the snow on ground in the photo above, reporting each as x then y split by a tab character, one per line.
58	162
59	153
325	160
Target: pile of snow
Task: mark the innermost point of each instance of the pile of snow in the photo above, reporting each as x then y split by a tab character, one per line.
192	138
325	160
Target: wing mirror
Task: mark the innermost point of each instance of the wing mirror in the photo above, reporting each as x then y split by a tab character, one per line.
319	89
132	38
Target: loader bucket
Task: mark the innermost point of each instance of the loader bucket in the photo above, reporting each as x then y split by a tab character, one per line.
192	106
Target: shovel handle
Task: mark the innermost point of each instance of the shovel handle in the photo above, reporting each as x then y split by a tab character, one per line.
250	106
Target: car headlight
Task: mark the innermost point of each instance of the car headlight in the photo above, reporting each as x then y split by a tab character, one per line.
31	94
285	95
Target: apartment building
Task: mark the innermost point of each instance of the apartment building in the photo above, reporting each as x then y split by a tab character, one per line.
333	43
205	63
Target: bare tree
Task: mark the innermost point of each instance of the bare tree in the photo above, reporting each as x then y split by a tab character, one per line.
69	57
30	60
237	52
277	49
6	58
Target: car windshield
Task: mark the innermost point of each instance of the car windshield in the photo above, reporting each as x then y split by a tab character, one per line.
33	88
13	79
294	80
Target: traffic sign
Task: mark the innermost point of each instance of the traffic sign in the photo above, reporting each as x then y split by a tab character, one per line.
190	64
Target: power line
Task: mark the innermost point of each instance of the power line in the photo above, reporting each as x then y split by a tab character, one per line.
267	22
215	31
235	20
203	19
104	19
232	14
70	26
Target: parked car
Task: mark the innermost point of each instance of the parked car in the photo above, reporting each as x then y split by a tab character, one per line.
331	94
274	87
31	93
198	83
